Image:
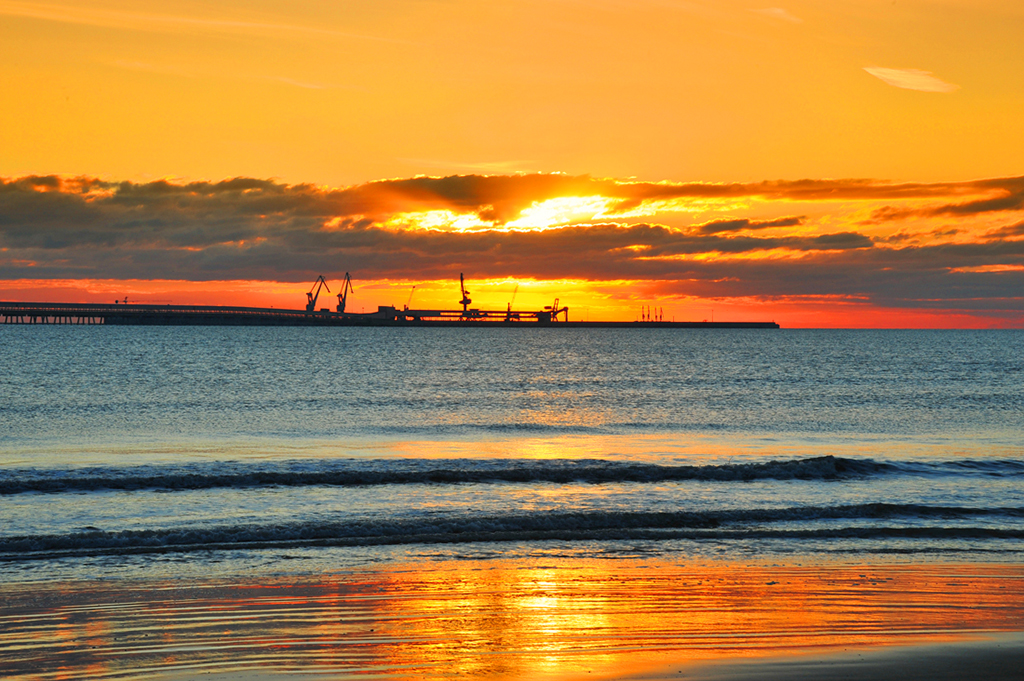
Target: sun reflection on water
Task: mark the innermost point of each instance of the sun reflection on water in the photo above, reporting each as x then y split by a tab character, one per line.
522	619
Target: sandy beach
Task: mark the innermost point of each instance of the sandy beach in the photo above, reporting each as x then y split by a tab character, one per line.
602	619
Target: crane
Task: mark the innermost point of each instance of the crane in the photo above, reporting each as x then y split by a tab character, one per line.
345	289
508	313
409	302
311	297
465	302
552	312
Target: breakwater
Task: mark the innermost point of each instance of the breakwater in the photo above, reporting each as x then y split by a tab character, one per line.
216	315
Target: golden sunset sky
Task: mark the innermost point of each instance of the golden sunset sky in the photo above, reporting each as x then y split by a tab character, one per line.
817	163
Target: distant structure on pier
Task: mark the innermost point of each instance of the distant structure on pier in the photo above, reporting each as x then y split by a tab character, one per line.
123	313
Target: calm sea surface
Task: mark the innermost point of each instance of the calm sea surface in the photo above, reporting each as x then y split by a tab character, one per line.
158	452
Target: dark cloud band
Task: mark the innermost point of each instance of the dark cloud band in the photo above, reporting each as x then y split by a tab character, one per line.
255	229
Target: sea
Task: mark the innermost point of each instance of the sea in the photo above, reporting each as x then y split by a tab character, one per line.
206	452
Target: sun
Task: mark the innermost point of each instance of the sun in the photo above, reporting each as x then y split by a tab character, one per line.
564	210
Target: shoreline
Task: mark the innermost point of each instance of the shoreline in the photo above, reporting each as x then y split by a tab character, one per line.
985	658
992	657
495	618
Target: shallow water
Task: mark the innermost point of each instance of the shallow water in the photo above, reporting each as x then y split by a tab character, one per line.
156	452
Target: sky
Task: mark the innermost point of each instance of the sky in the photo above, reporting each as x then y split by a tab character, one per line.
849	163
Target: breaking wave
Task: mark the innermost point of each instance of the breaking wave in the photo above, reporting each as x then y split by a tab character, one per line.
350	473
357	472
863	521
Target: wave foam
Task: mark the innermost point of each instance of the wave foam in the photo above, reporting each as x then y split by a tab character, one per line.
738	524
360	473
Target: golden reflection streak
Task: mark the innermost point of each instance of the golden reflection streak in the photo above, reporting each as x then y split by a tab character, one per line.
528	618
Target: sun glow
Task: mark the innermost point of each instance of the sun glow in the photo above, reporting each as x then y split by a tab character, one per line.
561	211
714	256
438	220
538	216
988	269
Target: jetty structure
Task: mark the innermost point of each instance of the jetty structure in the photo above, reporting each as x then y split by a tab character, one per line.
123	313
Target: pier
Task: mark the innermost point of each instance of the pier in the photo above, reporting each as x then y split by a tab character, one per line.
121	314
161	315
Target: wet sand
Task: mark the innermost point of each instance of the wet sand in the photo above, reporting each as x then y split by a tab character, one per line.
998	657
611	619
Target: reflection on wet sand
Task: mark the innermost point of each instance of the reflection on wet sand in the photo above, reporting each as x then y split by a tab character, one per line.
488	618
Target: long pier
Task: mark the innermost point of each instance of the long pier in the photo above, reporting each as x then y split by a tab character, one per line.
215	315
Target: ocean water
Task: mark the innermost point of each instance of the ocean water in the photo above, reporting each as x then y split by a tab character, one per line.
171	452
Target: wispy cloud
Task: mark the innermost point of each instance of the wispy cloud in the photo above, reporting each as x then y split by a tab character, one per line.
146	67
502	167
778	13
167	70
1003	195
305	85
720	226
141	21
911	79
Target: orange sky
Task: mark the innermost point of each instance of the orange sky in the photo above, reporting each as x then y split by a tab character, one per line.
124	123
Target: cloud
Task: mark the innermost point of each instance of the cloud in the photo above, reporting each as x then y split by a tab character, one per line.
258	229
166	23
502	198
46	202
890	214
1012	198
1007	232
499	167
306	85
911	79
187	73
149	68
1001	195
719	226
778	13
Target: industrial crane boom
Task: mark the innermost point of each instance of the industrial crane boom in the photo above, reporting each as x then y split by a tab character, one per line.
465	302
311	296
508	313
343	296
